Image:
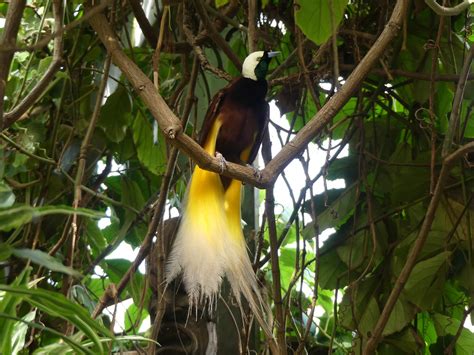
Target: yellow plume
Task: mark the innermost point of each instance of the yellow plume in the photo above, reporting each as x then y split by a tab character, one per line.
210	244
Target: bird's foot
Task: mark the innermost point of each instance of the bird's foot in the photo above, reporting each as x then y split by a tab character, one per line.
257	173
222	162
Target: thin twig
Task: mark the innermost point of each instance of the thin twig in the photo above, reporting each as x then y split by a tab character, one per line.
215	36
457	103
147	29
270	213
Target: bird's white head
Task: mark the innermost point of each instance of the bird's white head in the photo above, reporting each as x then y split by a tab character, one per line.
255	66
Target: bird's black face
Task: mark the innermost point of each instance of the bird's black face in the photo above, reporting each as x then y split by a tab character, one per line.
262	68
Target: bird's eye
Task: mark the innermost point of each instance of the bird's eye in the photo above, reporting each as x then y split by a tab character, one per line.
259	59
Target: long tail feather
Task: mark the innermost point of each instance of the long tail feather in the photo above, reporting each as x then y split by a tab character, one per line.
210	245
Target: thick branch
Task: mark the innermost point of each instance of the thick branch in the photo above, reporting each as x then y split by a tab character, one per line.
172	128
167	121
448	11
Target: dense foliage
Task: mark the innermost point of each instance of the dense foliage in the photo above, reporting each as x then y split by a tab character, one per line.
84	170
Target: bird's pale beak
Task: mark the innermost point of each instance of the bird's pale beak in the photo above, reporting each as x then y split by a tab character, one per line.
272	54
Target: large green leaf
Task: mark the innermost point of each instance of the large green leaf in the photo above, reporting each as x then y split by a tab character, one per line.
401	315
19	331
19	215
56	305
134	317
152	156
44	259
8	307
338	211
423	287
7	197
287	266
115	115
68	346
314	18
445	325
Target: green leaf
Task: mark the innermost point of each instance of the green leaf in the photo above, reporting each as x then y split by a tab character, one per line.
134	317
95	238
44	64
467	122
8	307
405	342
115	115
7	197
421	288
370	316
449	326
339	211
44	259
18	215
401	315
56	305
287	266
56	348
220	3
5	251
15	217
19	331
332	271
131	196
152	156
314	18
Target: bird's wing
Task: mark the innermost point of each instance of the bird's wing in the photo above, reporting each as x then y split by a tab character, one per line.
211	114
259	137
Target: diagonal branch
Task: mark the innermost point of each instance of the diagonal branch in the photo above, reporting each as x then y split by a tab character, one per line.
147	29
167	120
215	36
172	127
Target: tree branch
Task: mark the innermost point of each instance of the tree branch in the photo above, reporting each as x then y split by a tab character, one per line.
448	11
147	29
457	103
167	121
172	128
215	36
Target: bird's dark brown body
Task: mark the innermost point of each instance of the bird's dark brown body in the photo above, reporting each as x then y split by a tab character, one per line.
210	244
242	108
